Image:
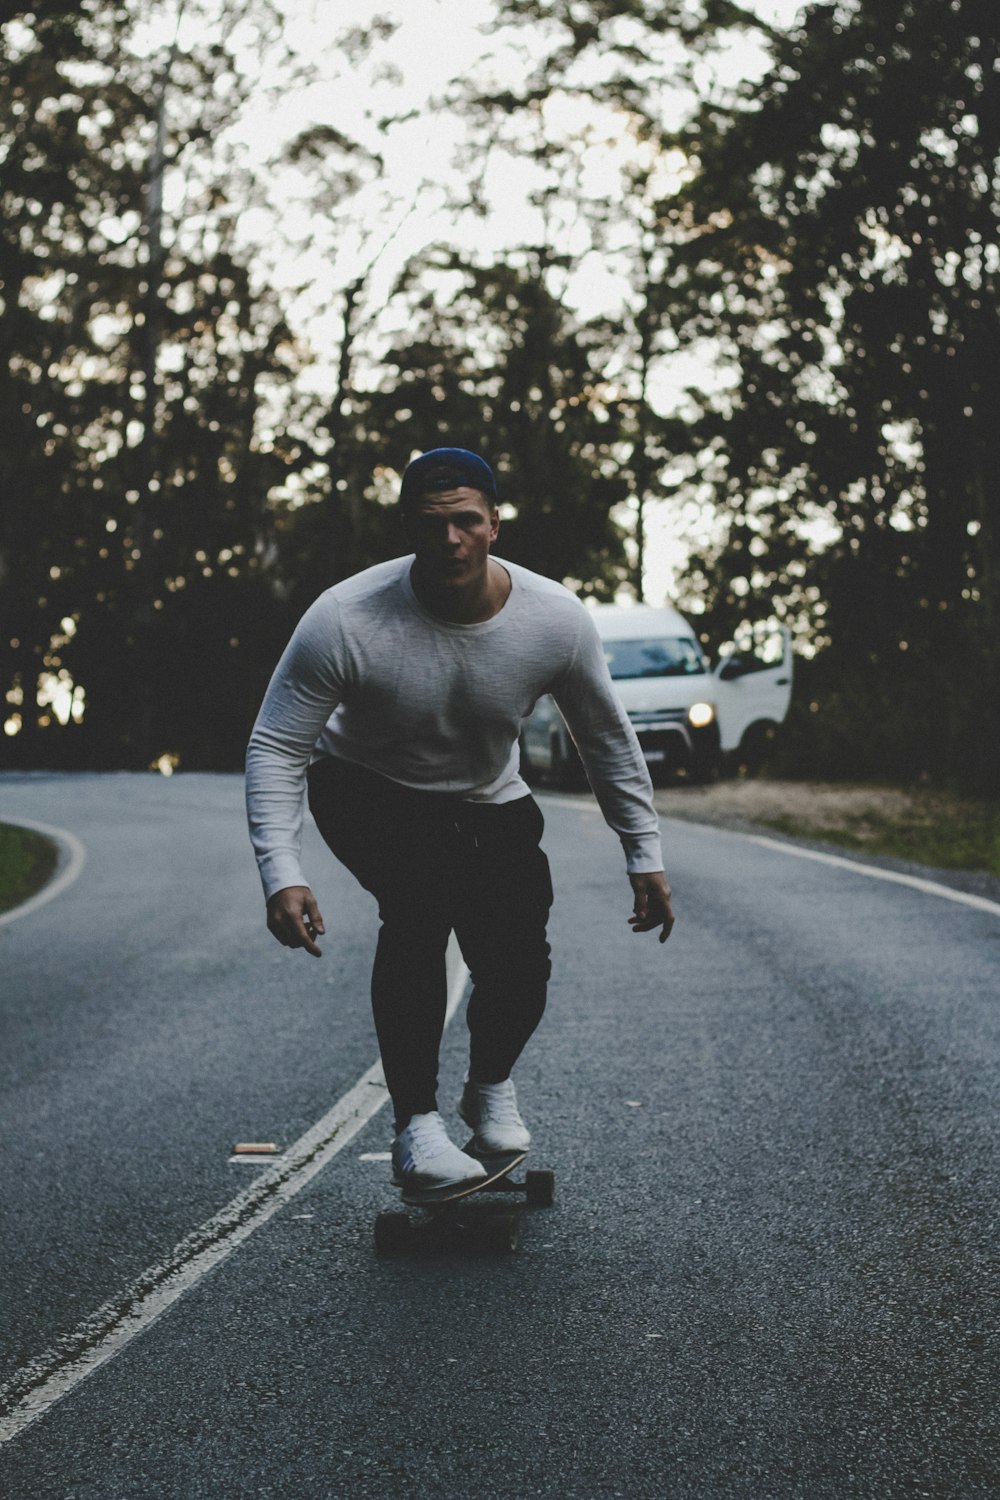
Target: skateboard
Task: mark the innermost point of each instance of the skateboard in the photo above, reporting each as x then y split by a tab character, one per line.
455	1212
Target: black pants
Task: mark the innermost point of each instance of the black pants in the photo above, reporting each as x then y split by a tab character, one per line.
437	865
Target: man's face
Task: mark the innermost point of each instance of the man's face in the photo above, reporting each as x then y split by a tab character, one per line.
451	532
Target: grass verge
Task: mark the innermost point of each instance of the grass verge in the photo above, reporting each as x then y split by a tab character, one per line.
27	861
929	828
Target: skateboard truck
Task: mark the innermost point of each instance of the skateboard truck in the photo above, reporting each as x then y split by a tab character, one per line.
452	1210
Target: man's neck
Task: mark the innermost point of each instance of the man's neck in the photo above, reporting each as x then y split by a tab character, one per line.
468	606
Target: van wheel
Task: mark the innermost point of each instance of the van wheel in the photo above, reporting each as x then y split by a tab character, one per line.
704	771
754	747
526	766
566	771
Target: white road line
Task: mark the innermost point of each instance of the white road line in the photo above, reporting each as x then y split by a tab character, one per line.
39	1385
71	861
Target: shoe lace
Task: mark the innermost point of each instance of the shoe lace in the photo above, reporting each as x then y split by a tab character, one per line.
428	1134
499	1103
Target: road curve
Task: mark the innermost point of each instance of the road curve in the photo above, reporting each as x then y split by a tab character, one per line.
770	1271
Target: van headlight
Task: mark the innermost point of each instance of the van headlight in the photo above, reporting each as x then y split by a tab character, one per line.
700	714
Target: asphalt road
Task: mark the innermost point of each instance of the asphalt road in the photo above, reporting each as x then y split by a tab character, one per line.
771	1268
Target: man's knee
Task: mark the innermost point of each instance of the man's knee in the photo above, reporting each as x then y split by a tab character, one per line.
413	933
510	968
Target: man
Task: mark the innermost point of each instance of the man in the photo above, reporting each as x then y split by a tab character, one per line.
399	700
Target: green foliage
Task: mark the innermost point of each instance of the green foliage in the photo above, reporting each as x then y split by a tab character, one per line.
834	244
174	495
139	367
493	363
839	238
502	368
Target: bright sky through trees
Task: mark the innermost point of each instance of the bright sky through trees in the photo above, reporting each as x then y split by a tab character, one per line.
668	267
388	102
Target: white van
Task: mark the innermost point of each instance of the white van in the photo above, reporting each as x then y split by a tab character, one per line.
688	716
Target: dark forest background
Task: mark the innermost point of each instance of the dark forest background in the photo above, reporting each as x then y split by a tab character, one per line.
174	489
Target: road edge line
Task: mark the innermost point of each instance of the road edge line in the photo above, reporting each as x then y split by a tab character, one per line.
895	877
917	882
41	1384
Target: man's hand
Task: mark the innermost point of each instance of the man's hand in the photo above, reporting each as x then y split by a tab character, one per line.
652	904
294	918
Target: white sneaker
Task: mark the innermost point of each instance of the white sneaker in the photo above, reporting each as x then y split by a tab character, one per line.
424	1158
491	1110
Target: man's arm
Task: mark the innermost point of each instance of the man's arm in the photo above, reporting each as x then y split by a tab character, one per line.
303	693
618	774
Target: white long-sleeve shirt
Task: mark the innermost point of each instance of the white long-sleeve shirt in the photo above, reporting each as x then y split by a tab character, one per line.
371	677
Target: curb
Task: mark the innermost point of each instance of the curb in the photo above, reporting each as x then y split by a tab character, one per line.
72	857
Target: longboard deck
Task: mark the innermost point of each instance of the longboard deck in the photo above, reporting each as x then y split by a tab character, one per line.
497	1168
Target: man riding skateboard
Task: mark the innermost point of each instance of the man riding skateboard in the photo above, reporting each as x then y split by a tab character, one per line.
398	703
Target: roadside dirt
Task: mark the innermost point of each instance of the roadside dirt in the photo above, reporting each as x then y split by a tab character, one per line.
812	805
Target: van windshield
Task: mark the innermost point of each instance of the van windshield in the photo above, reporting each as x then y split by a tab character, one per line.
670	656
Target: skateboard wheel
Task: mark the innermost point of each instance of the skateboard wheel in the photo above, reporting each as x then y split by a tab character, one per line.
541	1188
392	1233
502	1233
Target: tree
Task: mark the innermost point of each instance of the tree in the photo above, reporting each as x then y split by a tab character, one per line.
830	246
143	376
62	197
584	95
494	362
839	238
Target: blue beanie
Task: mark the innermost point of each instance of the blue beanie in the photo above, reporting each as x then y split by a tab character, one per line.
447	469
